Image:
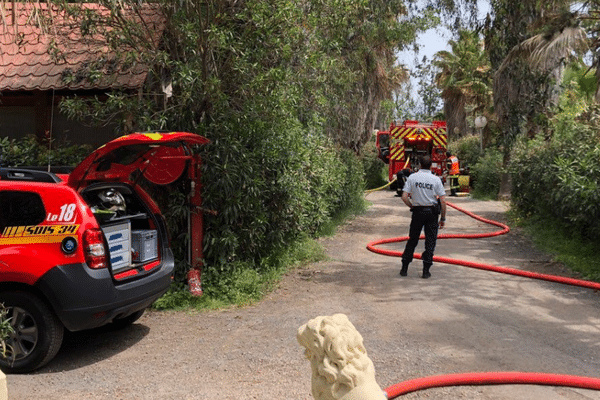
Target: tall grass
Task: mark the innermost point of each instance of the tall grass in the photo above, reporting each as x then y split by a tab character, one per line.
246	285
577	253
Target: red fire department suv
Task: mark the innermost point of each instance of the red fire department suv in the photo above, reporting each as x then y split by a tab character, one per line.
89	248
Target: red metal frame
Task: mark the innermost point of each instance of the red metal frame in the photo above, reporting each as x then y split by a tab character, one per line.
196	228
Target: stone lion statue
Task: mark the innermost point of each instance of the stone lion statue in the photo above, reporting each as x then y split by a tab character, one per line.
341	369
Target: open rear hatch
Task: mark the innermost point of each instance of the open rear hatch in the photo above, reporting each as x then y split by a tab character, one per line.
132	224
160	157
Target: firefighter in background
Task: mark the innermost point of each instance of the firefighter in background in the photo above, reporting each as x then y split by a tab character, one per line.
453	172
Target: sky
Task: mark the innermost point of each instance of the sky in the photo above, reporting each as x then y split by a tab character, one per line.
432	41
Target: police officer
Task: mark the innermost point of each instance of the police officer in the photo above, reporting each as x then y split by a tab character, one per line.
422	191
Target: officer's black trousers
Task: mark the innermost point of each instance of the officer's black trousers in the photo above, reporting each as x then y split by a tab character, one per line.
422	217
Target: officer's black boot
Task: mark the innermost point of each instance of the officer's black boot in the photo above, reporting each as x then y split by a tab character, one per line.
426	273
404	270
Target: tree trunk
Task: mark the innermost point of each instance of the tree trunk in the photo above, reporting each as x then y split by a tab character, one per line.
598	78
505	181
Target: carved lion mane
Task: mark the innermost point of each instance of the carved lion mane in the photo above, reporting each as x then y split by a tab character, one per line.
338	359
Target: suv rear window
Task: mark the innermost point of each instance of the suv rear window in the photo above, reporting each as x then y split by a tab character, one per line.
20	209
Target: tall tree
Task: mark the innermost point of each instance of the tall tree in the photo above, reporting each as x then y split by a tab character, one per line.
528	52
360	40
465	80
430	104
337	61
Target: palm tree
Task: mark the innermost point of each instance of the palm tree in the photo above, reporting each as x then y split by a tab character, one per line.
543	56
464	79
542	37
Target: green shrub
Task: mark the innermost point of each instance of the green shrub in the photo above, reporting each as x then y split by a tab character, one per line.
467	149
352	188
28	151
582	79
486	174
5	330
375	170
269	184
559	178
532	178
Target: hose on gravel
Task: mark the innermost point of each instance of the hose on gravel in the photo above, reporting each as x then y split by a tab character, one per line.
486	378
372	246
492	378
380	188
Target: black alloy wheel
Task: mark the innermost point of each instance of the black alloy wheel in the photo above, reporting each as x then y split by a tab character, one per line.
37	333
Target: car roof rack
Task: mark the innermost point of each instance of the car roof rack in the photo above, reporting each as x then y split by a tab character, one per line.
29	175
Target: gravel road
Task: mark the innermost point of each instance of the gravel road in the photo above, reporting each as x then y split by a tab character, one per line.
459	320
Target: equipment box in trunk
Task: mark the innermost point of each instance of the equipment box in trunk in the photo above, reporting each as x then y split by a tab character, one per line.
144	245
118	237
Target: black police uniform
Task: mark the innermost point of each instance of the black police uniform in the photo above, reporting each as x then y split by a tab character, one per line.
424	189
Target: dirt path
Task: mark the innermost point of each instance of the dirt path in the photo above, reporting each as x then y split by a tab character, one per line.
460	320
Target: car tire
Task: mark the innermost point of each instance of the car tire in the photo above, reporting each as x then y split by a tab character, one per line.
120	323
37	333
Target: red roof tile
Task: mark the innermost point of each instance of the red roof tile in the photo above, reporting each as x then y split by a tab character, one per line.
26	62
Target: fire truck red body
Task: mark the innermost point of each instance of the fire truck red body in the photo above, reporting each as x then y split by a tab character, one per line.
401	146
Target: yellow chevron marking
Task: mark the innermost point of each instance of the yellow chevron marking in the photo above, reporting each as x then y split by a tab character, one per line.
405	132
438	135
397	153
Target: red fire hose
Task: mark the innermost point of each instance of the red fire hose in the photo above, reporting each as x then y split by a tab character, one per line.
372	246
486	378
492	378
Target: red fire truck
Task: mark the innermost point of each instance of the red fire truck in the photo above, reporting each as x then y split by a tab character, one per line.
401	146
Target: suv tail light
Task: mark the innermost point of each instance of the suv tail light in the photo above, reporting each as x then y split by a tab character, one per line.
93	248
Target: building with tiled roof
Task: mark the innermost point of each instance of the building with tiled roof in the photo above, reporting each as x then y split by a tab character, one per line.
44	57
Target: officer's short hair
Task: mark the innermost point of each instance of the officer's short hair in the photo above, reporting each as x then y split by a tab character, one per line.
425	162
448	154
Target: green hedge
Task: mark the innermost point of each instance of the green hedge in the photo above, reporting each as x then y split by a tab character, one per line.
270	186
560	178
467	149
376	171
29	152
486	174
